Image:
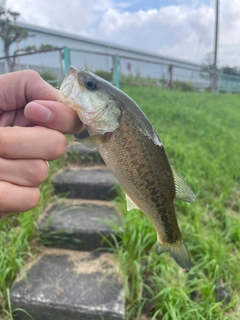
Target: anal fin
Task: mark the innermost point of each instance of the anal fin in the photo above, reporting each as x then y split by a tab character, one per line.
130	204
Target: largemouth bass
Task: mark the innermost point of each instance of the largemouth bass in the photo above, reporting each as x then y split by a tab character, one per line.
131	148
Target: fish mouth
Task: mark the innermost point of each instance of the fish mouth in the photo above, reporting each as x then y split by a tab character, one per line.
94	120
87	117
67	92
67	100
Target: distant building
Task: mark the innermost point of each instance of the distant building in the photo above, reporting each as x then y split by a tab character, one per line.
97	55
64	39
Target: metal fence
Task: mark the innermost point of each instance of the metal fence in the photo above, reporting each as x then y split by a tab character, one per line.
137	71
52	65
49	64
229	83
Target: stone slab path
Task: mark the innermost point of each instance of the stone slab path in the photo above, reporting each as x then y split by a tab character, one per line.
75	277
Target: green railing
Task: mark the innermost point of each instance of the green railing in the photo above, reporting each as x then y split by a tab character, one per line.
118	69
229	83
133	70
115	62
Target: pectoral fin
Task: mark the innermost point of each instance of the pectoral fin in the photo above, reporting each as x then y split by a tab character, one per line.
182	189
130	204
91	142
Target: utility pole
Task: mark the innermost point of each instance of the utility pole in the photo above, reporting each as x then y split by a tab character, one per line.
170	77
215	71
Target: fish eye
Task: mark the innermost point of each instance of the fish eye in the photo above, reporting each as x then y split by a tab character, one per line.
91	84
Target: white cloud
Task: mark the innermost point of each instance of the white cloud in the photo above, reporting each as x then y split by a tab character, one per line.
229	33
184	31
74	17
174	30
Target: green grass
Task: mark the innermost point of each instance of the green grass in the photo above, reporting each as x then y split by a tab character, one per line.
201	135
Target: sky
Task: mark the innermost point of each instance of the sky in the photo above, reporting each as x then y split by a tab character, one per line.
182	29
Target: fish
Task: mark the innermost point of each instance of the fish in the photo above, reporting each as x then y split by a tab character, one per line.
131	148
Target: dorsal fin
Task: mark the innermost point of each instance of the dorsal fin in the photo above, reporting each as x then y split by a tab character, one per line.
182	189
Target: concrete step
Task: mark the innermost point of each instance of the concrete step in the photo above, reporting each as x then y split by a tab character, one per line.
64	284
79	224
78	154
85	183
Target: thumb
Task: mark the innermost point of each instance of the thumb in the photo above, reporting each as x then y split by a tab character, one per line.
53	115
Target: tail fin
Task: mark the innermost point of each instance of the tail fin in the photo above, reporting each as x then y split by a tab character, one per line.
178	252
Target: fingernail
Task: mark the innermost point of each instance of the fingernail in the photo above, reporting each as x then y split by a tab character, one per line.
37	112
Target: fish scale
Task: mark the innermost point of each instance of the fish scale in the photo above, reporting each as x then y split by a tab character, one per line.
150	195
130	147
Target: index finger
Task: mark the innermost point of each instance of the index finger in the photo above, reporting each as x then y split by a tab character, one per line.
20	87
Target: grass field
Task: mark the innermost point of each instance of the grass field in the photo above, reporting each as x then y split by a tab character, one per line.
200	133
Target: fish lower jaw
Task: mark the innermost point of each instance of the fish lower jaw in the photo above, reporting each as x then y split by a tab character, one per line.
86	117
67	101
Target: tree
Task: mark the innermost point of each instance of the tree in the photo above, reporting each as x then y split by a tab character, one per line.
45	47
207	66
11	33
234	71
42	47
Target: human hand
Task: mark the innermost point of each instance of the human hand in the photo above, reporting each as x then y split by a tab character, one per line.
26	100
